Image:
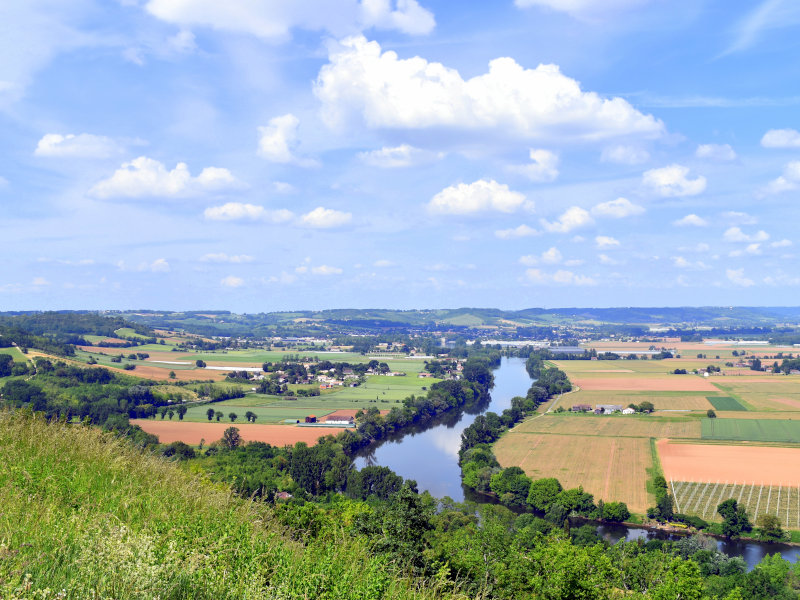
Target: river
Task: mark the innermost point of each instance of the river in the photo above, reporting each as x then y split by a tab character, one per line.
430	456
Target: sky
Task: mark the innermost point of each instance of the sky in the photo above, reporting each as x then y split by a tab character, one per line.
262	155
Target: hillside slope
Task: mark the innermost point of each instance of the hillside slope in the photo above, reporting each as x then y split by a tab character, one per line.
85	515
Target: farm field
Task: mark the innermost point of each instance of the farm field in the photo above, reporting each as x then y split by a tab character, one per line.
756	430
725	403
612	469
264	414
702	499
193	433
661	400
612	426
765	392
15	353
730	463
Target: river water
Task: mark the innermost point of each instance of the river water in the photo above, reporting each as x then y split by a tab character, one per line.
430	456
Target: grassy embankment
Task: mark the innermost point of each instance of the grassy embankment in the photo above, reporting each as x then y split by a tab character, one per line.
84	515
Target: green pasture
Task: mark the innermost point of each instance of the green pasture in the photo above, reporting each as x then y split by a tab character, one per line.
756	430
333	402
15	353
129	333
265	414
725	403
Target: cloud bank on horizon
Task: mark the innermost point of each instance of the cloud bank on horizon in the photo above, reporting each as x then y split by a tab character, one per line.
400	153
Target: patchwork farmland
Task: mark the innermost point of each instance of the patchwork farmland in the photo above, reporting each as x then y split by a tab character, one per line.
749	450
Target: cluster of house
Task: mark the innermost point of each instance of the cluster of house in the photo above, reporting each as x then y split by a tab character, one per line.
603	409
454	373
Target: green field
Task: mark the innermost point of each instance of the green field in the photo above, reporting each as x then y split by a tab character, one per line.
265	414
127	332
725	403
756	430
15	353
702	499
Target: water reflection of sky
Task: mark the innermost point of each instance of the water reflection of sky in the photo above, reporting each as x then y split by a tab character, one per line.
431	456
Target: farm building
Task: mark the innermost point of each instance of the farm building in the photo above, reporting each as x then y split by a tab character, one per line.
608	408
581	408
311	419
339	420
628	411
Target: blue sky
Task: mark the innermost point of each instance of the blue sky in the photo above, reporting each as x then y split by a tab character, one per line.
262	155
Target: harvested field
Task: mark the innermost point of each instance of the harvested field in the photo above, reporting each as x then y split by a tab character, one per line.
612	426
787	401
162	373
192	433
661	400
756	430
612	469
675	383
706	462
702	499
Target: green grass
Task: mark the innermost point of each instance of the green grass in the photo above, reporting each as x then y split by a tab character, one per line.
84	515
265	414
15	353
756	430
127	332
725	403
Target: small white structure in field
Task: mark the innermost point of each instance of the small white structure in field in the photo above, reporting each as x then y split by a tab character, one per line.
628	411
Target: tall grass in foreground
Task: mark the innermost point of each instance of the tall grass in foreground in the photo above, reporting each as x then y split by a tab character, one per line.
84	515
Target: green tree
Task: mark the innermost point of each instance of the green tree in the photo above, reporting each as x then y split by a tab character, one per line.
735	520
181	411
647	407
770	526
615	512
218	415
200	364
231	438
711	414
542	493
232	416
210	414
170	413
250	416
172	375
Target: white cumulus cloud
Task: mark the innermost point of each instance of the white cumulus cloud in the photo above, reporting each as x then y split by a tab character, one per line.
720	152
278	139
403	155
325	270
790	180
364	84
617	209
737	277
551	256
82	145
735	234
273	20
239	211
543	166
691	220
146	177
560	277
781	244
624	155
231	281
516	232
605	241
572	218
739	218
673	181
325	218
781	138
480	196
